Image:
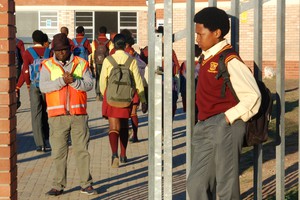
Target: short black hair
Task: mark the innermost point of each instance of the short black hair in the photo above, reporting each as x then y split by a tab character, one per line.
38	36
45	38
128	36
79	29
213	18
160	29
102	29
119	41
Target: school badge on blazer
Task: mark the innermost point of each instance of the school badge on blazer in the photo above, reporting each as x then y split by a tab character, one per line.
213	68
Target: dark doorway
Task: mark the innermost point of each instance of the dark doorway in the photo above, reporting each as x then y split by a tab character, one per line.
108	19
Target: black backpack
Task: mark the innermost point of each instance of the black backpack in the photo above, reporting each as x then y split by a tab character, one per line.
256	126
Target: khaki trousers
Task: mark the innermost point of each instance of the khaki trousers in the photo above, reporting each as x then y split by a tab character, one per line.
77	127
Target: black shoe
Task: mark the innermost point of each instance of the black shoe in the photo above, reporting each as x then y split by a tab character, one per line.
41	149
133	140
123	159
114	161
88	190
54	192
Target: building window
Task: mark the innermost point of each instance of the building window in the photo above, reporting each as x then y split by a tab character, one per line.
85	19
114	22
48	22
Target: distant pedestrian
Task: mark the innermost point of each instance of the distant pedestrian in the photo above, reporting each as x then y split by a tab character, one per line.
65	30
30	74
82	47
20	49
100	49
65	79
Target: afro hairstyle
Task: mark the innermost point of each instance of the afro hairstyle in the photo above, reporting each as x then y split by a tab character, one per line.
213	18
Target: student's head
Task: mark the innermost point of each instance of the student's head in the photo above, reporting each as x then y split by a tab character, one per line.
212	24
128	37
61	47
102	29
64	30
46	41
38	37
79	29
119	42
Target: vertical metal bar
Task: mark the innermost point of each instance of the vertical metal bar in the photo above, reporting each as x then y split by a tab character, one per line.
158	120
190	82
151	104
235	13
280	101
258	73
167	104
212	3
299	117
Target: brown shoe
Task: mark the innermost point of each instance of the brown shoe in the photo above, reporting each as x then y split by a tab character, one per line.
54	192
88	190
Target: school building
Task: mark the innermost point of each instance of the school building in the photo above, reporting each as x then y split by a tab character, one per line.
50	15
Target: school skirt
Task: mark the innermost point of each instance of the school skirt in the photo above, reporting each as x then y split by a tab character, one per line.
114	112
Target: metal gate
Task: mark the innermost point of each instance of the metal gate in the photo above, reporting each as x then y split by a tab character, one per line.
161	188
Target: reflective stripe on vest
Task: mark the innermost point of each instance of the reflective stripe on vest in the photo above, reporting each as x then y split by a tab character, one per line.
67	100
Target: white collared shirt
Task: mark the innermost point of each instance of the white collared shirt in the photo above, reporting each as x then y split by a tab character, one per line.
244	85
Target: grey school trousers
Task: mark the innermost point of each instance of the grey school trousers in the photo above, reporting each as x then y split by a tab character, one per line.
77	127
215	159
39	116
98	72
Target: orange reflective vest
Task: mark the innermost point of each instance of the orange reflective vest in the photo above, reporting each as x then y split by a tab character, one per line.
67	100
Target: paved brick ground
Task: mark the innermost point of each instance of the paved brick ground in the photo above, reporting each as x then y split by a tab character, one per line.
130	181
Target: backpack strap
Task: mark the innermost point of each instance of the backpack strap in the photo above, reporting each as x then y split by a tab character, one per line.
98	42
33	53
223	72
75	42
104	43
112	61
47	53
128	61
83	41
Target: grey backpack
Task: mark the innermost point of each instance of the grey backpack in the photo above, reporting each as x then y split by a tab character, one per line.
120	84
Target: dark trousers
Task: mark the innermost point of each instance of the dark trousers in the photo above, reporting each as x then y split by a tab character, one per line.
39	118
98	72
215	159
